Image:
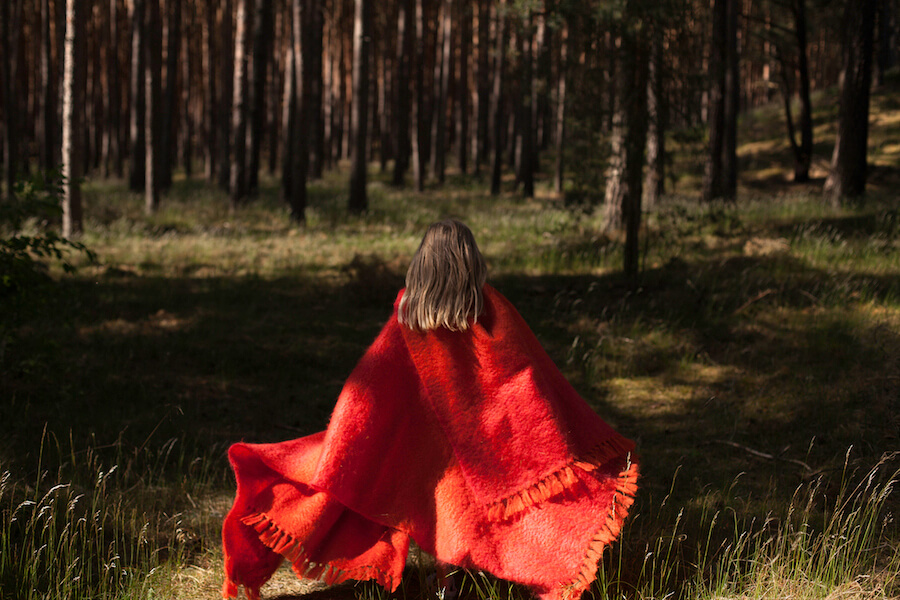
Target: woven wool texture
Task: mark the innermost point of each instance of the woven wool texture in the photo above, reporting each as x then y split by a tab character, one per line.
470	443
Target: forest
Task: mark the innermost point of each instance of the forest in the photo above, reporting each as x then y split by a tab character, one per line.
208	206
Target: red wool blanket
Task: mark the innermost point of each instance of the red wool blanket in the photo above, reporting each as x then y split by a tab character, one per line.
471	443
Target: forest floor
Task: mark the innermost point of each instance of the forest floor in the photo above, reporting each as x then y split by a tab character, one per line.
757	366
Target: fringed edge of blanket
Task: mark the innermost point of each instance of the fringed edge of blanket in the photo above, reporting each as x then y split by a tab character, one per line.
623	498
559	481
282	542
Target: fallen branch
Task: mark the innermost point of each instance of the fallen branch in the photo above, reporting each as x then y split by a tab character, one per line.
755	298
809	470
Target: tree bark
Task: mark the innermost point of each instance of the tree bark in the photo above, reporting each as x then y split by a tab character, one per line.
847	179
562	70
497	100
462	87
401	89
48	123
483	95
362	26
224	108
210	126
238	180
657	124
263	31
170	111
419	122
74	74
713	184
528	102
137	167
313	75
731	101
442	66
297	146
153	105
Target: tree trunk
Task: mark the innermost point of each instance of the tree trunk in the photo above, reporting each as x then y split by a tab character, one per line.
562	70
74	74
418	120
657	124
804	156
847	178
186	131
462	87
481	144
210	126
168	130
297	145
401	89
153	120
48	124
731	101
887	38
442	66
263	31
497	100
313	76
238	181
137	167
713	185
224	110
362	26
628	139
526	130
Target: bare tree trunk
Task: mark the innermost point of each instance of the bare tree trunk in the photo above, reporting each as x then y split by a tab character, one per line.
210	126
887	39
152	120
497	100
289	122
362	27
74	74
137	166
313	76
527	158
462	88
847	178
804	156
657	123
442	68
297	146
713	185
48	124
238	185
224	113
401	89
480	146
263	31
562	70
186	130
419	120
731	102
628	139
170	111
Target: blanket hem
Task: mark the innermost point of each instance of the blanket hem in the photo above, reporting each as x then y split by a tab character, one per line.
559	481
623	498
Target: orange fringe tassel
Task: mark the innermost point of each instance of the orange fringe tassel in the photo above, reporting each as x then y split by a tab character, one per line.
623	498
286	545
559	481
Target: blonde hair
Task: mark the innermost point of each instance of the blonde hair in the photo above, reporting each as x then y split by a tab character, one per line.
445	279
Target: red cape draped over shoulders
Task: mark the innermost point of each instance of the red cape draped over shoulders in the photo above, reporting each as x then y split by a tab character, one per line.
471	443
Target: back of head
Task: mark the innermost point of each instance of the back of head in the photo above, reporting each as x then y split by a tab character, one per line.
445	280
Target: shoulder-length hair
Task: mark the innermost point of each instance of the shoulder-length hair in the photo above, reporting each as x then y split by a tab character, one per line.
445	280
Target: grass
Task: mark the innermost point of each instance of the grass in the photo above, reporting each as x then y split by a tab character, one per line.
757	366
